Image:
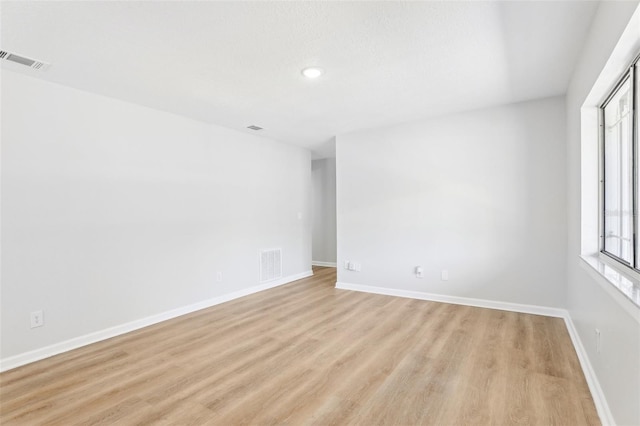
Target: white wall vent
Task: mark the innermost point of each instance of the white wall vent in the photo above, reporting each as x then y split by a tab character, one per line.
270	264
23	60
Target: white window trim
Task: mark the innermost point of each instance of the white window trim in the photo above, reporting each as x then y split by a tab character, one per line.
628	74
620	285
620	281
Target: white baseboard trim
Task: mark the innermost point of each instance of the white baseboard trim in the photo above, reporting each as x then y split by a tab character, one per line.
457	300
327	264
606	418
604	412
77	342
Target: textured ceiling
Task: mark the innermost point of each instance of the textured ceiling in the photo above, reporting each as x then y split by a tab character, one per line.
238	63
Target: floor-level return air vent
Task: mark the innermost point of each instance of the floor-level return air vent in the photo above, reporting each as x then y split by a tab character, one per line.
23	60
270	264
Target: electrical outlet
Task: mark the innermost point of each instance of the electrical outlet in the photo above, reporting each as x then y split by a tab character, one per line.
219	276
444	276
37	319
419	272
598	341
353	266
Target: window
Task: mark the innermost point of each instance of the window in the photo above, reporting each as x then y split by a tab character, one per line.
620	162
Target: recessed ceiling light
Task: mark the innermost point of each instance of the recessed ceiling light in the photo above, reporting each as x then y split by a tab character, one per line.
254	127
312	72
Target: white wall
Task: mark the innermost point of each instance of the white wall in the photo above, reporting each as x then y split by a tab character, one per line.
481	194
592	302
112	212
323	207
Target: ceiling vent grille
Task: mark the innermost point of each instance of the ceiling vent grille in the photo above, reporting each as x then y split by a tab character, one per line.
270	264
252	127
23	60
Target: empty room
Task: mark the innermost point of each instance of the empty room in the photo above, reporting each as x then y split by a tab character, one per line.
320	212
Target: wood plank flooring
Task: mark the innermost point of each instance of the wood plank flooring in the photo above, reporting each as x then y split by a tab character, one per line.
307	353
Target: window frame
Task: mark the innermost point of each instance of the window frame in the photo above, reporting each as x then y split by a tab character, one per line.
632	75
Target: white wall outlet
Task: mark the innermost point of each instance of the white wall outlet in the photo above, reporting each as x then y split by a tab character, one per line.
598	341
419	272
37	319
444	276
219	276
352	266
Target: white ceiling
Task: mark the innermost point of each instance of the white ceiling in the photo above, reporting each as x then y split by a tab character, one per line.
238	63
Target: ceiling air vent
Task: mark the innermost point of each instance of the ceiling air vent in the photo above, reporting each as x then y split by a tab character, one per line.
23	60
252	127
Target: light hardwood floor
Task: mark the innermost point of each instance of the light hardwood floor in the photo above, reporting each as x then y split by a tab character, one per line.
307	353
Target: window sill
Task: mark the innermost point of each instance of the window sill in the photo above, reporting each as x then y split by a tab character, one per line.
623	283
